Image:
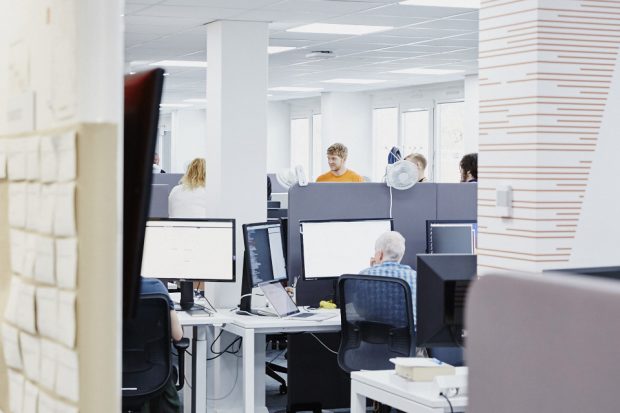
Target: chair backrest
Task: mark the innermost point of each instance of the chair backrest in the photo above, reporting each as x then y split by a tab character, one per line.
146	350
376	321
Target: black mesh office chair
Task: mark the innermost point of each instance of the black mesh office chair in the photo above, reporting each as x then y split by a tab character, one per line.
147	357
377	322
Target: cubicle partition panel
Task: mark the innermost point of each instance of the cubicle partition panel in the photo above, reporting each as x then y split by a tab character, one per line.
159	201
457	201
167	179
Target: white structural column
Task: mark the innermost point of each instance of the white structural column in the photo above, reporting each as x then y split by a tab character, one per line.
549	101
236	131
188	133
347	118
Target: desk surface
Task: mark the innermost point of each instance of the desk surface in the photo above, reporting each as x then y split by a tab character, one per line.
418	391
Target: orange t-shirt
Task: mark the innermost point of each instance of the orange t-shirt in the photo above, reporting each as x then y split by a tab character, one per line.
348	176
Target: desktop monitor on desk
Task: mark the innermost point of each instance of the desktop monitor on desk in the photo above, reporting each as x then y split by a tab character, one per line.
332	248
451	237
442	283
263	259
190	250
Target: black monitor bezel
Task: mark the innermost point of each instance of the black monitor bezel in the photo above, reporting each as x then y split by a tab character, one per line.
316	221
244	229
430	222
234	244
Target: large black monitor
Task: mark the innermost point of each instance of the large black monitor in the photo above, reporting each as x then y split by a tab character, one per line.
189	250
612	273
451	237
332	248
263	259
442	283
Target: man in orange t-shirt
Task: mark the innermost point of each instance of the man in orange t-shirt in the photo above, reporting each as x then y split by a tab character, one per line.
338	172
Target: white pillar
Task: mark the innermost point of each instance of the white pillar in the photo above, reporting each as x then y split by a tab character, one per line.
236	131
279	137
347	118
188	135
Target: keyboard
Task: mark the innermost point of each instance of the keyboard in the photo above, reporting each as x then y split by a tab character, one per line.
303	315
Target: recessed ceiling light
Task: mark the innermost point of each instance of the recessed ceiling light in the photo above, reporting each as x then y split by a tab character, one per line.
195	100
180	63
294	89
279	49
423	71
354	81
326	28
465	4
175	105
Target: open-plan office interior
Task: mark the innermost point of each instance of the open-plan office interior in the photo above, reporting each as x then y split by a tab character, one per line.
515	274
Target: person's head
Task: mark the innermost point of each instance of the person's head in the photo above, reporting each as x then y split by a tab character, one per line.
195	175
469	167
390	246
336	157
156	159
418	160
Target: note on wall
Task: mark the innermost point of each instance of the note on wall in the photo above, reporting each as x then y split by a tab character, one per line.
32	158
66	263
46	211
66	155
67	373
17	205
44	265
16	391
10	346
12	309
26	318
30	255
46	403
31	398
64	210
47	311
66	313
18	249
2	158
62	407
33	204
31	355
47	377
49	160
16	159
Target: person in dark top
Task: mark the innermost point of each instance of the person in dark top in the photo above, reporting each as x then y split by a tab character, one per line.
168	401
469	168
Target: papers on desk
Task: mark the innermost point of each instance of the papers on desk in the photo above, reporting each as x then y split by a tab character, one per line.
421	368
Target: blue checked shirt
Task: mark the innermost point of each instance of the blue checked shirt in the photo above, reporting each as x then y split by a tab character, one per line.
397	270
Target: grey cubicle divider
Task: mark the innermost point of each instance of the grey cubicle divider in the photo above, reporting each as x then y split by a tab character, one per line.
466	197
543	343
168	179
159	201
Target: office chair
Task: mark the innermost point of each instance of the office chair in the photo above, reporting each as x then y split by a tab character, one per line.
376	322
147	357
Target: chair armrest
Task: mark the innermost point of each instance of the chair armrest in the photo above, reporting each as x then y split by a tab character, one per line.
182	344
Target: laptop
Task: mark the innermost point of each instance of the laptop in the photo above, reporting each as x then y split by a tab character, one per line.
285	307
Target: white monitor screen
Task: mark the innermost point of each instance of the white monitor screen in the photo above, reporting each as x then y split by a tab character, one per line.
333	248
189	249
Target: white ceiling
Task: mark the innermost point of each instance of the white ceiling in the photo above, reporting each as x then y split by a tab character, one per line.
437	37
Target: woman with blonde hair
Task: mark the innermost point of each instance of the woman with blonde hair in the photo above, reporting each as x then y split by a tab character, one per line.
189	198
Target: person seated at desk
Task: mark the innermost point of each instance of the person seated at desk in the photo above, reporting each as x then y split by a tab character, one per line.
156	165
420	162
338	172
168	401
469	167
389	251
189	198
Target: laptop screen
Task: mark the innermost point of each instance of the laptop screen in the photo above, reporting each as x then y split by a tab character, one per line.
279	299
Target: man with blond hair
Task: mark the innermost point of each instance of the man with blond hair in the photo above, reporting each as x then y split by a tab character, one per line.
338	172
420	162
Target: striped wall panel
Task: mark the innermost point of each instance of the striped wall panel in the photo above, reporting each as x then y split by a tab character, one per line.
545	71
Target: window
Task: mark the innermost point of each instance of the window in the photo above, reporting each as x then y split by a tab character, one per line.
416	137
450	144
300	143
385	136
317	148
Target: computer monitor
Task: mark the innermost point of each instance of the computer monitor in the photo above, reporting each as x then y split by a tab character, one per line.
612	273
451	237
189	250
263	242
332	248
442	283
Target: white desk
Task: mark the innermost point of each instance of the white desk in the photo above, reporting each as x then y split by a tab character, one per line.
386	387
248	393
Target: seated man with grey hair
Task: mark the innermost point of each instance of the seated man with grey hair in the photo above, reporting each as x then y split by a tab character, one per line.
389	251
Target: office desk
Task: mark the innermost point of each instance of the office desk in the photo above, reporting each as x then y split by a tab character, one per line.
250	395
386	387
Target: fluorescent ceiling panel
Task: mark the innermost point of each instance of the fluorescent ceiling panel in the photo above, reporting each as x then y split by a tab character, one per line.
354	81
465	4
180	63
294	89
279	49
349	29
423	71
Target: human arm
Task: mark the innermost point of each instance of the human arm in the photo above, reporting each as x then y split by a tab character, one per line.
175	326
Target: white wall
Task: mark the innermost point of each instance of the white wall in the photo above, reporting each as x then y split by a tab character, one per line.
347	118
278	136
188	138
